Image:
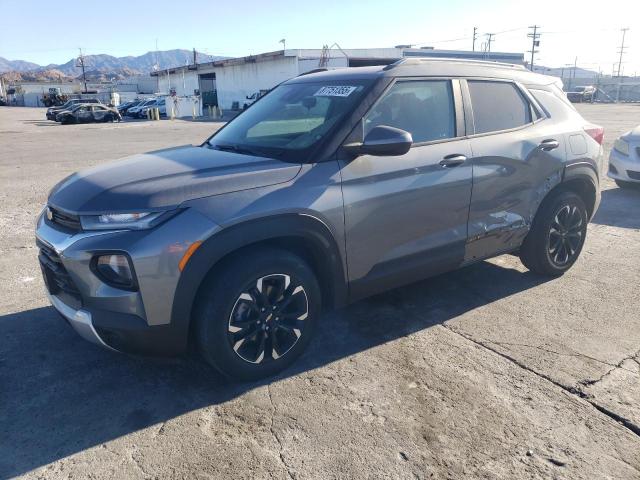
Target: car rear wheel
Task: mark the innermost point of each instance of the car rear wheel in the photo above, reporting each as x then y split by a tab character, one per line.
257	314
557	235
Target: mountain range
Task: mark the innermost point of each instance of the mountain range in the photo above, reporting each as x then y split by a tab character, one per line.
100	67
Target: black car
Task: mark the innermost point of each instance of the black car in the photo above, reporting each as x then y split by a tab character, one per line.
585	93
87	113
52	112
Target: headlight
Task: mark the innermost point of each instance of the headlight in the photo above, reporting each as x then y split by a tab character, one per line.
126	221
621	146
115	270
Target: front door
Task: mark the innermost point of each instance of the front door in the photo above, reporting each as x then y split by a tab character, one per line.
406	216
84	114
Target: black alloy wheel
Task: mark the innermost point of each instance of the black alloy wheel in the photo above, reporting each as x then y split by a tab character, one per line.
565	235
268	318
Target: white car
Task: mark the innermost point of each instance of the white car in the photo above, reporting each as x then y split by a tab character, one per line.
624	160
135	112
160	104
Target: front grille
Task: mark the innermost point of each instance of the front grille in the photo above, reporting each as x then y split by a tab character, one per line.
65	220
633	175
56	278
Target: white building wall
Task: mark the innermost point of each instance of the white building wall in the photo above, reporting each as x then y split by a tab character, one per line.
185	82
235	82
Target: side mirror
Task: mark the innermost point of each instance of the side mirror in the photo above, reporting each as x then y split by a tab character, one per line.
384	141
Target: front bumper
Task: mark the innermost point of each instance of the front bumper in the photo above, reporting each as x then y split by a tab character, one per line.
129	321
80	320
625	167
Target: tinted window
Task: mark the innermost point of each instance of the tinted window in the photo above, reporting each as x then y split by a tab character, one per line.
498	106
423	108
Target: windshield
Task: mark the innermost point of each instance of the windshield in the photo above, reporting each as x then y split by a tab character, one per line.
291	120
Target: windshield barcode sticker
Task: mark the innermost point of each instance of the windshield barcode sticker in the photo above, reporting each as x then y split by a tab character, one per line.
338	91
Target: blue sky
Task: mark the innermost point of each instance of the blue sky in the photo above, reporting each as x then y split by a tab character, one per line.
236	28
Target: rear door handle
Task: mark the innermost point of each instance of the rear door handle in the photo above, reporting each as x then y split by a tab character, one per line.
453	160
549	144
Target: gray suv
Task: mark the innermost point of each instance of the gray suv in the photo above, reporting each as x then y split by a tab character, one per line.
335	186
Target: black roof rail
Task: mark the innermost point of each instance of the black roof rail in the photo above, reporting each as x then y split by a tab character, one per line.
315	70
420	60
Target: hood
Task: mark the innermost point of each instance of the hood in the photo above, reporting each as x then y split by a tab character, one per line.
165	179
632	135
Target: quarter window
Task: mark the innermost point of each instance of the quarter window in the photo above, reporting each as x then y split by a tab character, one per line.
497	106
423	108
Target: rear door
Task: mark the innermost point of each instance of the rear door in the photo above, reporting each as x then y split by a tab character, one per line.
98	113
406	216
518	155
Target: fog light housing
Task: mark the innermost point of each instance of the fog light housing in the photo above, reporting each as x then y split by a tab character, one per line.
116	270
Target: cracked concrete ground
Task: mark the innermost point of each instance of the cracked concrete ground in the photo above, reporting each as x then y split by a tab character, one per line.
487	372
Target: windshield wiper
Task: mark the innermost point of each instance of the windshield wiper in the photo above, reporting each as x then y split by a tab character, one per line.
229	147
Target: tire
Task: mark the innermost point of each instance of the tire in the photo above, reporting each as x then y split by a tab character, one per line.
234	326
557	235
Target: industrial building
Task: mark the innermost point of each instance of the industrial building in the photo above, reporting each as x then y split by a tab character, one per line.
233	83
30	94
228	83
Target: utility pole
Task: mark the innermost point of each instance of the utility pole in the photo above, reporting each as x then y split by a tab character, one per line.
80	63
535	42
622	47
195	60
489	38
475	36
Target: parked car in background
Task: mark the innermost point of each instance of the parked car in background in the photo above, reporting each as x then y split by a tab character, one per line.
52	112
624	159
160	104
124	107
333	187
89	113
135	112
585	93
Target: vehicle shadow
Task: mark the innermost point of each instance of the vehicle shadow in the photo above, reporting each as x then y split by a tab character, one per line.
619	208
60	395
41	123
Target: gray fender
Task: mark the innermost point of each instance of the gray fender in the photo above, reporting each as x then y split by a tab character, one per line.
314	234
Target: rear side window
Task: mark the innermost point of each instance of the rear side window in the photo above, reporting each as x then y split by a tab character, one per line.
423	108
497	106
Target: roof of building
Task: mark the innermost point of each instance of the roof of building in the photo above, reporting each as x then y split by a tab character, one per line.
388	54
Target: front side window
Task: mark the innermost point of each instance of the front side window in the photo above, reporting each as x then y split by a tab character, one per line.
423	108
497	106
290	120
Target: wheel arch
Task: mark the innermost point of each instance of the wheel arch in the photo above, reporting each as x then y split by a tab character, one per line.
582	178
305	235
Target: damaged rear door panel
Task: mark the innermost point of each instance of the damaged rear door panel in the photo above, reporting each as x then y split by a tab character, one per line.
513	168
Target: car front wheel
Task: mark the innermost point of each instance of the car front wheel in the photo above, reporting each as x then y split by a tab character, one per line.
557	235
257	314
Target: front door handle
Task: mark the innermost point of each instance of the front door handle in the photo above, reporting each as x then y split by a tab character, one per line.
453	160
549	144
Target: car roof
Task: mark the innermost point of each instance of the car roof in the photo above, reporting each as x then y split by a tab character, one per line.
431	67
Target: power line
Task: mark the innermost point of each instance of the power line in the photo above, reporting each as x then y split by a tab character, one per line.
622	47
535	42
